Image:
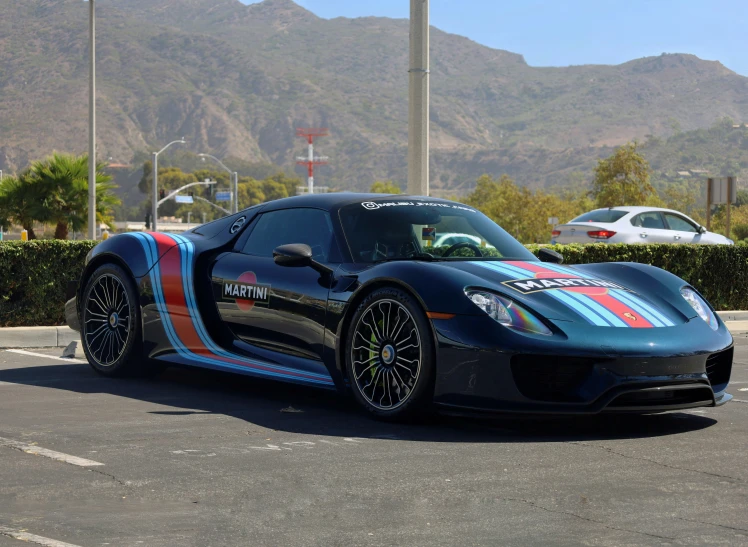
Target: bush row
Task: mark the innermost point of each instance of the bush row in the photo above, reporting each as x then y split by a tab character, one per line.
33	279
34	274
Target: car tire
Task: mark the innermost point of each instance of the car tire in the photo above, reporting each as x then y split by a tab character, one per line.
111	332
389	356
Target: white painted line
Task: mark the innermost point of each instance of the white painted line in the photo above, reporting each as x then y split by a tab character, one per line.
740	401
32	538
32	354
743	389
52	454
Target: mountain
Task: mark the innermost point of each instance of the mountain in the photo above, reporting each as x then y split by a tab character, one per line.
237	80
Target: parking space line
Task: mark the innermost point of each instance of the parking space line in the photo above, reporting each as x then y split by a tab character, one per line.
32	538
52	454
32	354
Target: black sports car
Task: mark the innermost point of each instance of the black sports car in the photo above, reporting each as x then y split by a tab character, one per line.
349	292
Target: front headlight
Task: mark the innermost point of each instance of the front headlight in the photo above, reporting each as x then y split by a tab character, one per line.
507	312
700	307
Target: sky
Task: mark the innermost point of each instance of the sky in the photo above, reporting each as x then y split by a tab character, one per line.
575	32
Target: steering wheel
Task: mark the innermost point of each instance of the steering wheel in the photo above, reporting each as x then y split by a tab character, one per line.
464	244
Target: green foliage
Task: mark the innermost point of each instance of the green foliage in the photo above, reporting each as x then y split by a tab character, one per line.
61	184
623	179
33	279
34	274
522	212
698	265
385	187
56	190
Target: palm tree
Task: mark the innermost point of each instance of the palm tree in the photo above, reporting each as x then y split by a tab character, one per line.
19	197
62	182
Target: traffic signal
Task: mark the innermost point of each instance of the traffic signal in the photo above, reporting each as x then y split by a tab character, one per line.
148	221
192	194
161	194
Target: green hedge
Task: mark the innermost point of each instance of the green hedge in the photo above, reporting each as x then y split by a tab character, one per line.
33	279
34	274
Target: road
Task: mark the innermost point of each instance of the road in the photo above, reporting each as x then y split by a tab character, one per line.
202	458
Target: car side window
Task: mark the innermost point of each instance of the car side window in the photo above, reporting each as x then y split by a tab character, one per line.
652	219
312	227
677	222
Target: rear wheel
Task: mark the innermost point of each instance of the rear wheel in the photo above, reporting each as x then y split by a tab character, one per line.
389	356
110	323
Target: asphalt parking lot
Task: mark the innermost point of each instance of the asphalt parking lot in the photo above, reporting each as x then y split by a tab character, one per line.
202	458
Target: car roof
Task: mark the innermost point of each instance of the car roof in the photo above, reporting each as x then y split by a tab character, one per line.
640	209
334	200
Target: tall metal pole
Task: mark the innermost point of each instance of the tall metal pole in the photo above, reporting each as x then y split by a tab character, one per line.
154	194
92	126
418	117
236	192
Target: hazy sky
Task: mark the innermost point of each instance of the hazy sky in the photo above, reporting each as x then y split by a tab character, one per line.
574	32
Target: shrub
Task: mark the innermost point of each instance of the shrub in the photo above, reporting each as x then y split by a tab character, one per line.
33	279
34	274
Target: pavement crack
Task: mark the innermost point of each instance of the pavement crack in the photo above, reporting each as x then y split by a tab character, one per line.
587	519
713	524
112	477
649	460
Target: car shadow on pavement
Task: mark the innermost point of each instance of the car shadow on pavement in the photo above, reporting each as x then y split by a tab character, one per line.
304	410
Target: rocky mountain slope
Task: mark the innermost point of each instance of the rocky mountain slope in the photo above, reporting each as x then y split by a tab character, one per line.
236	80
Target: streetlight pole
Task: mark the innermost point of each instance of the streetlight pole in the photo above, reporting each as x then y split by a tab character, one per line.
234	181
154	190
92	124
418	116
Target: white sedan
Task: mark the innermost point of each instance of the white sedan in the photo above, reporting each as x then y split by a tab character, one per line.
635	225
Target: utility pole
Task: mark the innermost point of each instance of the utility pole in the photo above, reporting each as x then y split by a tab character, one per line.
418	109
92	125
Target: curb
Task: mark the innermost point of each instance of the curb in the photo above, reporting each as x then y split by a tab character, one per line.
733	315
37	337
60	337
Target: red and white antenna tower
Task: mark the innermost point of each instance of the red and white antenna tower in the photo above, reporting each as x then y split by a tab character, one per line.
309	133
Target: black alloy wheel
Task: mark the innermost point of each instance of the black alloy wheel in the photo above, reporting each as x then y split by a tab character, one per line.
110	322
389	357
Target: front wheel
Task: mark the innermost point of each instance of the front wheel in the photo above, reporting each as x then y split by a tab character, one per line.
390	356
110	322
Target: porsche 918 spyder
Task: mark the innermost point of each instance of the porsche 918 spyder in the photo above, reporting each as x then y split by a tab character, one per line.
351	292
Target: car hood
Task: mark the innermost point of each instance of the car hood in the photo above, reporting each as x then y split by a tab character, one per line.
577	294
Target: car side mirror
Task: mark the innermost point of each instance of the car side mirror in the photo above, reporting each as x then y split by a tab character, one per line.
547	255
298	255
702	230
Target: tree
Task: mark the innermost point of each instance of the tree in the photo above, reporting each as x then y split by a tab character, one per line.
61	182
385	187
18	198
622	179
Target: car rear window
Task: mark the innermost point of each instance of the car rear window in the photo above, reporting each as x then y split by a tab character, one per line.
601	215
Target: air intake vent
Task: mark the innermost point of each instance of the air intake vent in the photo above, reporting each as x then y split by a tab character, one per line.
719	368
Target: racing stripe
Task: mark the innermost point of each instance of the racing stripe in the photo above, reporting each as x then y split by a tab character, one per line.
198	323
580	308
638	305
597	306
515	272
621	309
178	316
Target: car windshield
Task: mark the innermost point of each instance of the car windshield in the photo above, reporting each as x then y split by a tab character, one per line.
419	230
601	215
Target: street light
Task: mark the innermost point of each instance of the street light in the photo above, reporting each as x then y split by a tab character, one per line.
154	194
418	115
92	124
234	181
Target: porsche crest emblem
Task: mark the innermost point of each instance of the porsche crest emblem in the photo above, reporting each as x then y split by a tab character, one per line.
630	315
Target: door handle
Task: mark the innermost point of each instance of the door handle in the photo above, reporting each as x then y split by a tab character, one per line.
677	237
642	235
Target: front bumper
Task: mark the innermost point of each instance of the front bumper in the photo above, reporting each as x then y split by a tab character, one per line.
688	367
